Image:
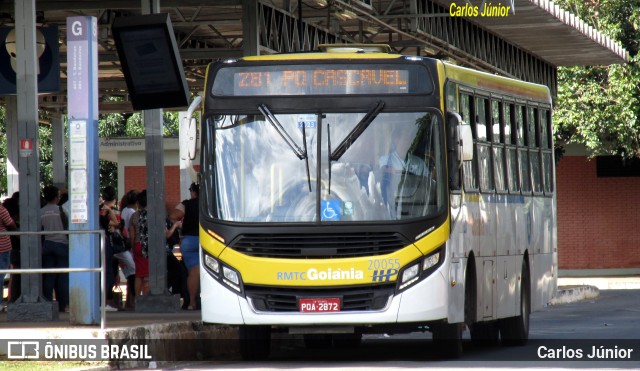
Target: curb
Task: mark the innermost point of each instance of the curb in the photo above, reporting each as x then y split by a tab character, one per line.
574	293
202	341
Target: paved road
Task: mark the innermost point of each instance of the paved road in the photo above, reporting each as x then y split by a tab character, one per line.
559	336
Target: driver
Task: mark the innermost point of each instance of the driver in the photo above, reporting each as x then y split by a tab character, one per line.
400	157
398	162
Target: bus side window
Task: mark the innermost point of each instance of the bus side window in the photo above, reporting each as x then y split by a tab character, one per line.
523	151
547	151
534	149
532	139
510	138
483	130
481	118
469	169
498	146
465	108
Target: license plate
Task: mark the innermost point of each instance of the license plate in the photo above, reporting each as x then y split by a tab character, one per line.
319	305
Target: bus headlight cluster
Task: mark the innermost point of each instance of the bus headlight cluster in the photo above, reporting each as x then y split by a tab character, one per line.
420	269
409	276
225	274
430	261
212	263
231	278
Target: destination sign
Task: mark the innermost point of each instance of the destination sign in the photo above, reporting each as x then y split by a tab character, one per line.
320	80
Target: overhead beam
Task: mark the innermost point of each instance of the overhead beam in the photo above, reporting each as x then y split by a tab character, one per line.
118	4
212	54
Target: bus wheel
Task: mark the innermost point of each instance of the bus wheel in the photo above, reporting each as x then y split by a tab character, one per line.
484	333
255	342
447	339
515	330
318	341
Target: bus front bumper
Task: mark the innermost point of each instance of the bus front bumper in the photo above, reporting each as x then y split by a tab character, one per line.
425	301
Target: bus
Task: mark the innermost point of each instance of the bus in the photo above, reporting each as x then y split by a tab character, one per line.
355	191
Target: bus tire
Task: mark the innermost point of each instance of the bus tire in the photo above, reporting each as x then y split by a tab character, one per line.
514	331
447	339
318	341
255	342
484	333
470	293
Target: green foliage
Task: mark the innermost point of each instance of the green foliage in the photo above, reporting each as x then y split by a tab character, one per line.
46	167
135	128
46	155
109	125
116	125
599	106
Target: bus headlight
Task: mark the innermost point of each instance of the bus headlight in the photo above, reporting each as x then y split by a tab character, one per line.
228	276
409	276
430	261
231	278
410	273
212	263
420	269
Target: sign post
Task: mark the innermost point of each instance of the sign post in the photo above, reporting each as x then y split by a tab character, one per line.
82	88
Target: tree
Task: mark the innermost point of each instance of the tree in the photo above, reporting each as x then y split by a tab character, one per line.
127	125
109	125
46	167
599	106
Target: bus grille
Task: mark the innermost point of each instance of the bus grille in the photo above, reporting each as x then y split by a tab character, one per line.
319	246
276	299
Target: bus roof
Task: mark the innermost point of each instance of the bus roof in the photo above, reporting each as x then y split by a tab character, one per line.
465	76
320	55
497	84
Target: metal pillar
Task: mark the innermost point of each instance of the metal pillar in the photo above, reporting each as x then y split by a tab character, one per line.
82	91
13	184
158	300
250	41
30	306
57	139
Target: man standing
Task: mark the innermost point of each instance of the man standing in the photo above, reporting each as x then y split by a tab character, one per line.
55	248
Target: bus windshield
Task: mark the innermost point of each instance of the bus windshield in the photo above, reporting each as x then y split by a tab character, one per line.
390	167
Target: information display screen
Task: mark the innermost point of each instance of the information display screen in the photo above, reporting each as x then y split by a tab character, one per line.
321	80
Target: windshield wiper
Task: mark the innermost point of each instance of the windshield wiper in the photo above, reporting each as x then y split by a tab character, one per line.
299	152
306	157
356	132
329	152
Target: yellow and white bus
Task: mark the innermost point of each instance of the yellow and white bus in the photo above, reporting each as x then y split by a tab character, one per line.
353	191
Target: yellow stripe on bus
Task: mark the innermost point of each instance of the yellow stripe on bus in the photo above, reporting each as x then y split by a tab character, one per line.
499	84
323	272
321	56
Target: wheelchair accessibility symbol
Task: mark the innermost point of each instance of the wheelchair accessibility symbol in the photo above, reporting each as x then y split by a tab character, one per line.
330	210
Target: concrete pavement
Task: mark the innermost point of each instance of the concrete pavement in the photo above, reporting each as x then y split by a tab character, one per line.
182	335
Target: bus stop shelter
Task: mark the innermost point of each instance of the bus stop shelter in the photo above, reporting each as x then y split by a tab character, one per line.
528	41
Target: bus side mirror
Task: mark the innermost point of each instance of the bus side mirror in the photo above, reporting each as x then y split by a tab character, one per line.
188	141
189	131
460	147
453	150
466	143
